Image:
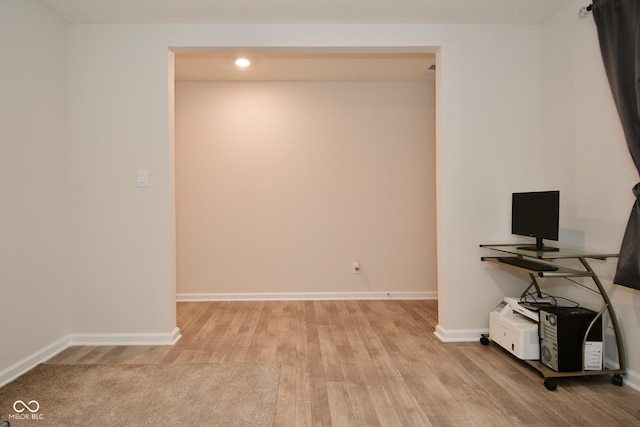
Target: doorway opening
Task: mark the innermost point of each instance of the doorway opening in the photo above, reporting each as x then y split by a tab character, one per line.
290	170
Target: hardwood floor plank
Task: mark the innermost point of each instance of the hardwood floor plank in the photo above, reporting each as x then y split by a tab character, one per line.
303	414
330	361
286	404
404	403
340	405
302	366
385	409
286	345
360	400
320	408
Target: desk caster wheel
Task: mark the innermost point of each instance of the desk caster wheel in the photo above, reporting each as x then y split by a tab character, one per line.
551	384
617	380
484	340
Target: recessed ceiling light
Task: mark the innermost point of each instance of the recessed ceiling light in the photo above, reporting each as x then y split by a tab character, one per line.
243	62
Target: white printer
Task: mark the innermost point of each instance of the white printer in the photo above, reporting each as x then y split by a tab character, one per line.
515	327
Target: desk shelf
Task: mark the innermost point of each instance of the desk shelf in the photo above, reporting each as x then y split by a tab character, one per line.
560	272
548	258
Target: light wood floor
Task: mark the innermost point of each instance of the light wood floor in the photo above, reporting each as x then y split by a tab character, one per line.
370	363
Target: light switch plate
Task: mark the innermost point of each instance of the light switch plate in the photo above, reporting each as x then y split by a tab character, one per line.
142	178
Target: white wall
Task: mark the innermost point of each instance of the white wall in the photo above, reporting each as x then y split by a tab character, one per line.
488	108
281	185
488	146
123	258
588	160
33	188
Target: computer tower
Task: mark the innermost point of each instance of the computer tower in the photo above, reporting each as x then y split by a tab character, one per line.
562	331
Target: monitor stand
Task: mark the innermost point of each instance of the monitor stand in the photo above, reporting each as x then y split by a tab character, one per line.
539	247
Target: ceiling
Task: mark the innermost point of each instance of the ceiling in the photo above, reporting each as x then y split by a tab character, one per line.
305	11
305	67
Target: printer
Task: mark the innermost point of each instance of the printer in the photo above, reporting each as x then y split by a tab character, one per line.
514	326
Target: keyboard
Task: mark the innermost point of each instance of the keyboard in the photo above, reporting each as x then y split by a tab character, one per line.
527	263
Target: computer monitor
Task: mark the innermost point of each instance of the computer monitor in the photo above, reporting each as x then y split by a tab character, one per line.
536	214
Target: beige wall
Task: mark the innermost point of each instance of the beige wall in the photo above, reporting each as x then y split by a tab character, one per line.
280	186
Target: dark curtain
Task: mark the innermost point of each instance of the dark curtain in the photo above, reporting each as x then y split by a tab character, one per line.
618	31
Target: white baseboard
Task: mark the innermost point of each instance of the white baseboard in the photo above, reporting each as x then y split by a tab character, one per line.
20	367
307	296
459	335
126	339
47	352
632	379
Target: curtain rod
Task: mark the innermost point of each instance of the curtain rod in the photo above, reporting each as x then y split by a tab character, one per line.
584	11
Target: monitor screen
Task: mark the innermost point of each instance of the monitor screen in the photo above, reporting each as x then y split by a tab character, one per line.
536	214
